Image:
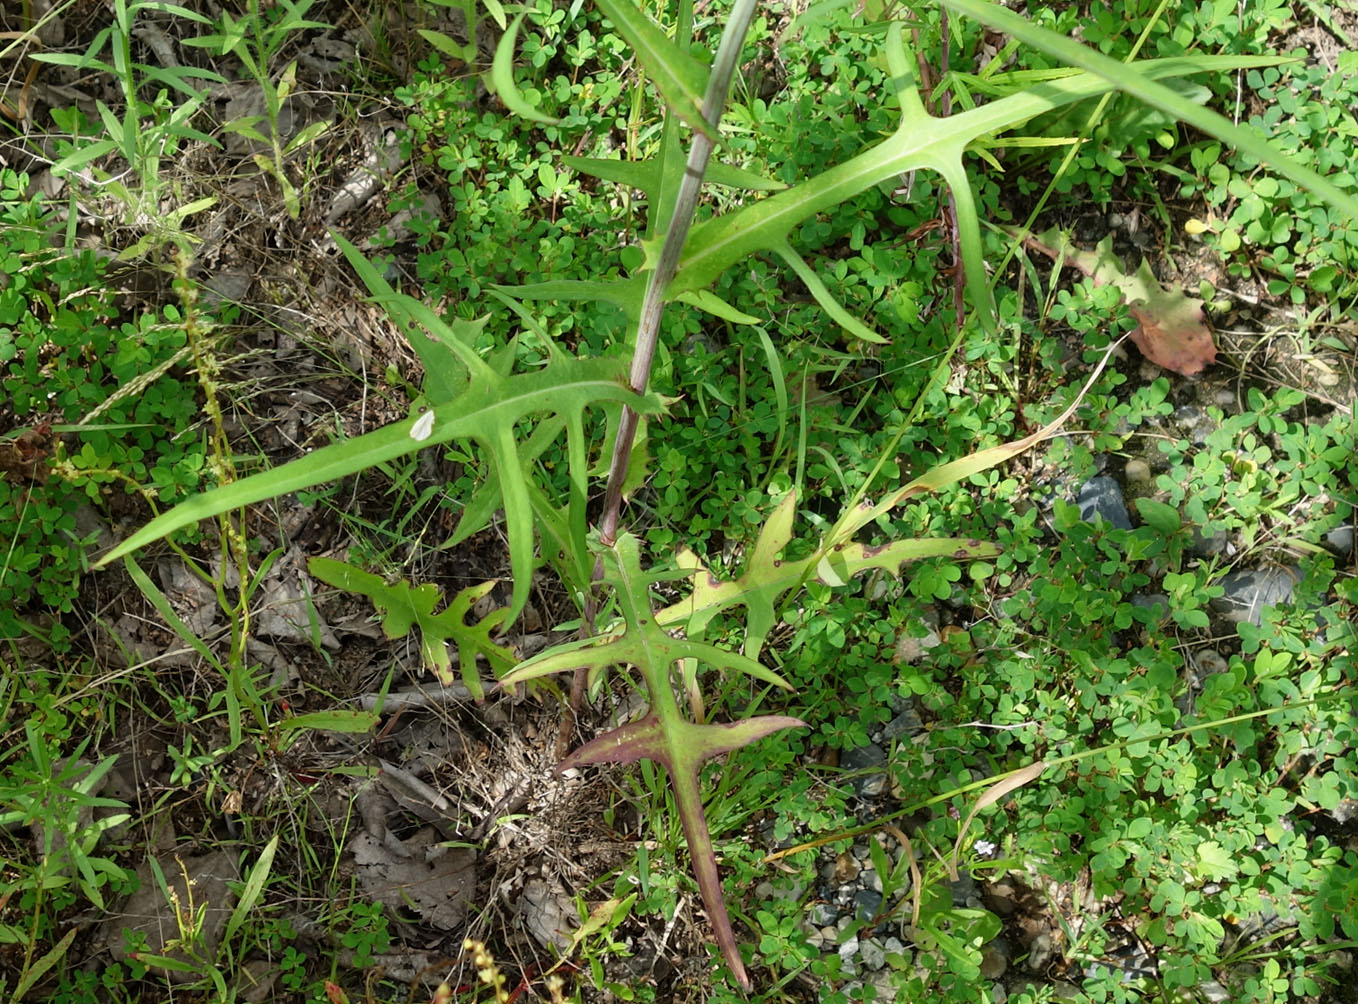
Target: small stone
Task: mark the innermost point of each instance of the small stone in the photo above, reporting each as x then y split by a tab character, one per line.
871	879
910	650
763	891
866	904
883	983
701	340
1137	472
1213	992
872	954
1001	898
993	963
1195	425
870	782
1339	541
1207	545
1210	661
1040	952
1102	497
823	914
1152	601
1248	592
966	893
907	723
846	867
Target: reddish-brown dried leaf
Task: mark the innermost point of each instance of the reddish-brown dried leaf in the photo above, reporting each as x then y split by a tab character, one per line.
1171	330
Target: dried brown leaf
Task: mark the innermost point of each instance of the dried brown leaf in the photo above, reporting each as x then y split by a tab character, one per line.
1171	330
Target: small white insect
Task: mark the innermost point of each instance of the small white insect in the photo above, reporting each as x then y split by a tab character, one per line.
423	427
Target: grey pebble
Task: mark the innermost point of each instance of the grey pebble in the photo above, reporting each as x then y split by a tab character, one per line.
1207	545
1196	426
907	723
1249	591
1150	601
993	963
1040	952
1102	497
965	892
870	783
848	953
866	904
872	954
823	914
1339	541
1210	661
910	649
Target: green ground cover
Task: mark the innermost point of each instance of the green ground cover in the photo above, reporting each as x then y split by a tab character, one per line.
853	524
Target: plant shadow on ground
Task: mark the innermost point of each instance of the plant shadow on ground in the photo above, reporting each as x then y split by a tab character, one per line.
1214	861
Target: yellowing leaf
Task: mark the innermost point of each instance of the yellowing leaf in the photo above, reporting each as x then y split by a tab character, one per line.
1215	862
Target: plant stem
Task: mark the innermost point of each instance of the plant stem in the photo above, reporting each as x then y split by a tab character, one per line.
648	325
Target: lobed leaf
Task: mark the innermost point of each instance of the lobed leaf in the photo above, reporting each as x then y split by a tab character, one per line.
663	735
767	577
409	606
486	412
1171	330
680	78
